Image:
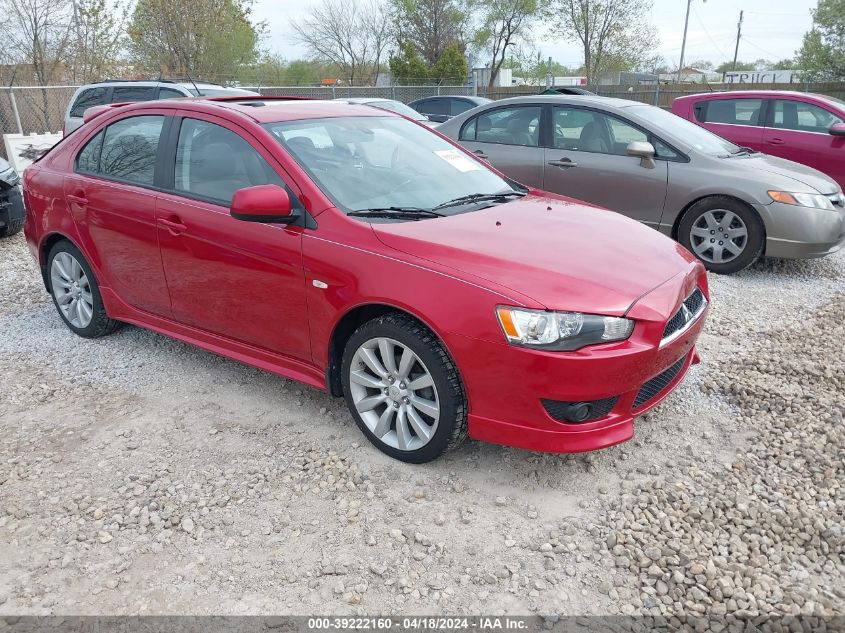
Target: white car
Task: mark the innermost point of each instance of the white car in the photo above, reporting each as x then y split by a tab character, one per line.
124	91
390	105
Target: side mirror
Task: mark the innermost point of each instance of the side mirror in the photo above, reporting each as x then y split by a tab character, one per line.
642	150
837	129
263	203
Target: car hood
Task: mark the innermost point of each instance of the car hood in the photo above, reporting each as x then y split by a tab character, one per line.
788	172
563	254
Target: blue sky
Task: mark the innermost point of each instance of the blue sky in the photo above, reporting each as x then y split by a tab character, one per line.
772	29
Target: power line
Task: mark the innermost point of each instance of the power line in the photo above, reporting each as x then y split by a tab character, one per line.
707	33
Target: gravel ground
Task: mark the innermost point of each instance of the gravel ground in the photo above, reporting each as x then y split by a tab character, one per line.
142	476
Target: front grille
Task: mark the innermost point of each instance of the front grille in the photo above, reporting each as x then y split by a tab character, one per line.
686	314
559	409
657	384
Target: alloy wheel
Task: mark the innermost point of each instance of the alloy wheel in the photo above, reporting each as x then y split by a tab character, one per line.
718	236
394	393
72	290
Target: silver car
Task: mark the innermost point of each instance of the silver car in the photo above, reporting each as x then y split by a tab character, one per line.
725	203
121	91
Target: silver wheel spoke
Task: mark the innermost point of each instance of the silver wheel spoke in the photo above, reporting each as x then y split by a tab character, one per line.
61	282
420	428
65	299
738	232
371	360
425	406
728	218
733	248
72	290
60	265
699	231
384	421
717	253
86	311
710	219
403	433
387	352
701	247
406	362
369	403
421	383
361	377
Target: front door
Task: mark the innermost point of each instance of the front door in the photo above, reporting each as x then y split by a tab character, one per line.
588	161
509	139
242	280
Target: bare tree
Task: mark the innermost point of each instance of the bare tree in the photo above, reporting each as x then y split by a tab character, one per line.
99	32
352	34
503	23
614	34
430	25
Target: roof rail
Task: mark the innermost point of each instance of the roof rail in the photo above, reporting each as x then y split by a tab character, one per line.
247	98
129	81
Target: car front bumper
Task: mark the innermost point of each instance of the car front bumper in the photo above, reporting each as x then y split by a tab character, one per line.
11	207
799	232
507	386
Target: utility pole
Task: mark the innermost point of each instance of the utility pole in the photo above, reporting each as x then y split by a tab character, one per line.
738	34
684	41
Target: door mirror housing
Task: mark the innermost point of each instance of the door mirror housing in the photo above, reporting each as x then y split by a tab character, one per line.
263	203
837	129
642	150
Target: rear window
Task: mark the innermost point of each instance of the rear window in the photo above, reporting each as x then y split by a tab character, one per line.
433	106
459	106
731	111
124	94
88	99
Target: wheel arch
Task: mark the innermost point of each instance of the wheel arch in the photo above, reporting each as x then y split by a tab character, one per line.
677	223
354	318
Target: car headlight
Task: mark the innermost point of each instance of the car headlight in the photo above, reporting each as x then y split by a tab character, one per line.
560	331
812	200
9	177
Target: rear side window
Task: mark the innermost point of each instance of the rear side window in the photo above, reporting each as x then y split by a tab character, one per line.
433	106
88	160
213	163
519	125
129	149
88	99
733	111
122	94
802	117
170	93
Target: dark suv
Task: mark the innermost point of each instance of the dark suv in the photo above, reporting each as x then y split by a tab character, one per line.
11	202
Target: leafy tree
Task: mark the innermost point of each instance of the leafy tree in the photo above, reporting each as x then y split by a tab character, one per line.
822	53
407	67
430	25
726	67
451	66
502	25
615	35
786	64
211	39
702	64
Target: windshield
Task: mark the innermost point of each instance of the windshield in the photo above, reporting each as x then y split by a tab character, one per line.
399	108
380	162
685	133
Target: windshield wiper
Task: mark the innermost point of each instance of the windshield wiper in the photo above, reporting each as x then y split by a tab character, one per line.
409	213
743	150
478	197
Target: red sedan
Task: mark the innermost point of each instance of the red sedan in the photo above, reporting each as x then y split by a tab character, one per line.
804	127
364	254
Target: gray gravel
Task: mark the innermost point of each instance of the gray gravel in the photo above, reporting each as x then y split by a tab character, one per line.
140	475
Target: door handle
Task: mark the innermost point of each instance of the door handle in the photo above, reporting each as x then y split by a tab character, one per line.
775	141
563	163
77	198
481	154
174	226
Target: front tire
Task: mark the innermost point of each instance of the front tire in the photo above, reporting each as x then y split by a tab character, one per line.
724	233
403	389
12	228
75	292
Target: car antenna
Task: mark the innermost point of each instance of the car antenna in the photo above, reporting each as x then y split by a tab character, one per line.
199	94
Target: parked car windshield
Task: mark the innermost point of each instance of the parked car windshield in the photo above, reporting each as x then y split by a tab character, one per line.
684	132
399	108
381	162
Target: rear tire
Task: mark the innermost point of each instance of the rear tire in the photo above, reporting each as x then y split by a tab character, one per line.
403	389
724	233
75	292
12	228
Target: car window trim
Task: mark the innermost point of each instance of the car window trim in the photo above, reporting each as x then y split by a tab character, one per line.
168	166
682	156
100	176
770	115
764	111
509	106
81	92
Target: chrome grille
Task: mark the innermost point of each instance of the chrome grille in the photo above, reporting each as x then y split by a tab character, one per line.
687	314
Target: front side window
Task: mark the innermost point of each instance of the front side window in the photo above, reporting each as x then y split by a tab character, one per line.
213	162
733	111
380	162
88	99
802	117
131	94
129	149
519	125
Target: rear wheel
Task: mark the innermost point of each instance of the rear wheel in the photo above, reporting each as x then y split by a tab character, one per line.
76	293
403	389
724	233
12	228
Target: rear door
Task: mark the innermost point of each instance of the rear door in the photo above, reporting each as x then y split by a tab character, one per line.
799	131
587	160
739	120
241	280
112	197
509	138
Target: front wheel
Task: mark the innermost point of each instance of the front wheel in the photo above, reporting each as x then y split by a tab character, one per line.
403	389
725	234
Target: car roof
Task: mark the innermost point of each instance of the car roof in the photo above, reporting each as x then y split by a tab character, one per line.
603	102
728	94
158	82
